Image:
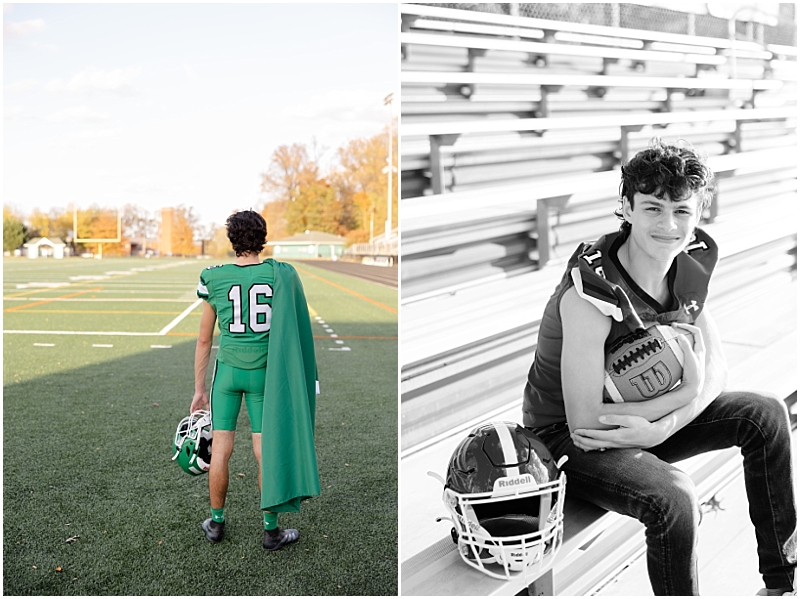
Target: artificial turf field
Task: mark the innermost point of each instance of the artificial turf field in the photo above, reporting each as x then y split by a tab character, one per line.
93	504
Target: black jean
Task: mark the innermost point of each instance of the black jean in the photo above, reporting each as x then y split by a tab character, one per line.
643	484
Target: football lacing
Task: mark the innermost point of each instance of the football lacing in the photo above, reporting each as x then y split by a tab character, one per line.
648	348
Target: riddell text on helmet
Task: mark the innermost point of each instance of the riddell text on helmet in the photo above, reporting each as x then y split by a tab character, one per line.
517	481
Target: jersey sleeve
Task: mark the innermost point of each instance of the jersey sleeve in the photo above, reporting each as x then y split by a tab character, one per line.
202	287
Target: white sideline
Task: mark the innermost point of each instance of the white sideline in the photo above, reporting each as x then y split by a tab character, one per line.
180	317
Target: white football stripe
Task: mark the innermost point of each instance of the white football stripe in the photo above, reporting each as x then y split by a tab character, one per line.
671	337
612	390
508	447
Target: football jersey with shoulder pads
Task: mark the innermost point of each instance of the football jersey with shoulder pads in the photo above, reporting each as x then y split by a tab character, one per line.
242	299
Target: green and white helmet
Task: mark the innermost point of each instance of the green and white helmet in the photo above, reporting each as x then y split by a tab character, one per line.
192	444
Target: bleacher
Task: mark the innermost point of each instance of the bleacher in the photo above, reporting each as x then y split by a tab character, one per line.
513	132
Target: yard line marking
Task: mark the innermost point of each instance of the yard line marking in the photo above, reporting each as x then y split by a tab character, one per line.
368	337
102	345
45	344
339	349
97	312
69	285
161	346
364	297
339	341
106	299
41	285
124	333
182	315
47	301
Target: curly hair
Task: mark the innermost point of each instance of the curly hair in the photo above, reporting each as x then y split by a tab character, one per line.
247	231
662	169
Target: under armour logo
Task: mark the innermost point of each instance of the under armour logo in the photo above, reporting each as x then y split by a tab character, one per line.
692	306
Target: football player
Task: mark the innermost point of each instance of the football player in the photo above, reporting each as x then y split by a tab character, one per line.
241	297
656	269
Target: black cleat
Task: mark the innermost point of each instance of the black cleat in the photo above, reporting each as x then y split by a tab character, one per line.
214	530
278	537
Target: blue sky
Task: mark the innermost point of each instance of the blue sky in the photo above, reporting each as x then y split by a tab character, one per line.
161	105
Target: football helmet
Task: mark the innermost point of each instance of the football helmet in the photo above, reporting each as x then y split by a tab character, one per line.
505	495
192	443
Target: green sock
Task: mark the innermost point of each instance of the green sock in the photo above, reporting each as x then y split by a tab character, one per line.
270	521
218	515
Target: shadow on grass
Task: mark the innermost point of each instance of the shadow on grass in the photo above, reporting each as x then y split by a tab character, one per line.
87	457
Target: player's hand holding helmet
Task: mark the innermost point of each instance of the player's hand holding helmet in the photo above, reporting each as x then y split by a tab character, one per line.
505	495
192	443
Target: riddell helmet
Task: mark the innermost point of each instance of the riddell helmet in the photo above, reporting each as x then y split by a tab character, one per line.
505	495
192	444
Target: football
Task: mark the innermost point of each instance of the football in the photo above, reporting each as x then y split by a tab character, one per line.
643	365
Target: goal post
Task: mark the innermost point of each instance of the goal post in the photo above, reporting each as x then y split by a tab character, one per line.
98	240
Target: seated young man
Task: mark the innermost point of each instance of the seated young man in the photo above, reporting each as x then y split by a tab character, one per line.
656	269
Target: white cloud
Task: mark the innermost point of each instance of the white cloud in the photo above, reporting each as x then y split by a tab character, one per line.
347	106
117	81
190	72
12	112
21	86
77	114
45	47
14	29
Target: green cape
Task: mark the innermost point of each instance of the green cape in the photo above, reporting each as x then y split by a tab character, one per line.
288	458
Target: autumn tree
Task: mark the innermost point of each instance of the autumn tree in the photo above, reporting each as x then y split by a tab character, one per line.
137	221
275	214
14	230
363	179
290	168
316	208
101	223
220	246
183	231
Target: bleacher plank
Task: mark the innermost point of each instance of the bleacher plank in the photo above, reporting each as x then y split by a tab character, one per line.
639	36
589	122
483	43
600	81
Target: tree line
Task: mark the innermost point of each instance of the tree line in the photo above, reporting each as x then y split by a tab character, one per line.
347	199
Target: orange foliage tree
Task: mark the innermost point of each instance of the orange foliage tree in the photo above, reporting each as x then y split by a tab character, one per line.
183	227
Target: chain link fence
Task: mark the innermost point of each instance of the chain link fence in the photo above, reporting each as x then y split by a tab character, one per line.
654	18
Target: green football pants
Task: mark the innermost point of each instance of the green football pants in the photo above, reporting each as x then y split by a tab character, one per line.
227	387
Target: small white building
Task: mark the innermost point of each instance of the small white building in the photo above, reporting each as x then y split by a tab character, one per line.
311	244
44	247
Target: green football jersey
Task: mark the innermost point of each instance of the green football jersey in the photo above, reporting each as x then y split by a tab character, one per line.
242	298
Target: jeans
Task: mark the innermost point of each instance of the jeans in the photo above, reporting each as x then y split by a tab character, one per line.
643	484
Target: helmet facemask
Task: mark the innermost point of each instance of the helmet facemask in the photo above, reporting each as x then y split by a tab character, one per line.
507	536
505	496
192	443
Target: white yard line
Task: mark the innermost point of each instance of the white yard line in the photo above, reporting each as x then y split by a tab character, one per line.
125	333
100	299
180	317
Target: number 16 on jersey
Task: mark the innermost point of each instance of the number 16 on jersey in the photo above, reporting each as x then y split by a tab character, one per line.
259	313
